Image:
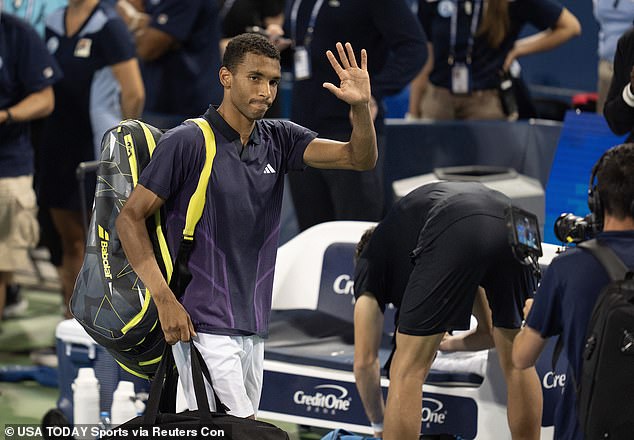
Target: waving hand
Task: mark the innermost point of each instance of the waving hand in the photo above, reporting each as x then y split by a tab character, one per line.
354	87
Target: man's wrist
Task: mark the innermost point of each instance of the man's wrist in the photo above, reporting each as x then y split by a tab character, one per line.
628	96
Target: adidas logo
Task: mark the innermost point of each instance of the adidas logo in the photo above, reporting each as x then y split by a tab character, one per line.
268	169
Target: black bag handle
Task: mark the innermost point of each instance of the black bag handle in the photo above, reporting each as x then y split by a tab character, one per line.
167	373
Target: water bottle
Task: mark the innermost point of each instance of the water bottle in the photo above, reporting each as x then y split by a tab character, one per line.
123	403
85	399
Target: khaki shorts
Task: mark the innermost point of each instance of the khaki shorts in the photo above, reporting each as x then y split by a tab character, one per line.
19	229
439	104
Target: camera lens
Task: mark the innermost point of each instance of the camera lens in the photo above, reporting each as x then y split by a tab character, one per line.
570	228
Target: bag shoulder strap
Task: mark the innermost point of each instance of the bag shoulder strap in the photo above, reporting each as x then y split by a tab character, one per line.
617	270
181	275
197	200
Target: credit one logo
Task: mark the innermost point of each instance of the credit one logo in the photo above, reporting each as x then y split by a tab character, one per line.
433	412
552	380
343	285
325	398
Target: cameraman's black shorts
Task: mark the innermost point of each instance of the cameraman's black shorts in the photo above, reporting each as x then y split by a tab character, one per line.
450	262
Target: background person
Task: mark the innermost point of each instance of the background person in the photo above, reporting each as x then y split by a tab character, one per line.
396	44
227	304
569	290
614	19
471	43
433	228
102	85
27	73
178	43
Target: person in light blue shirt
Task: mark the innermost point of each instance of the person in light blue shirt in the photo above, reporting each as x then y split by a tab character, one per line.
32	11
614	18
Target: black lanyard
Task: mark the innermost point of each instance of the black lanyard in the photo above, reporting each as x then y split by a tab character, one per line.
454	31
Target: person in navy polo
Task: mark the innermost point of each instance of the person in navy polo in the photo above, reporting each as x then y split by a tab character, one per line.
178	44
27	73
226	306
565	300
473	42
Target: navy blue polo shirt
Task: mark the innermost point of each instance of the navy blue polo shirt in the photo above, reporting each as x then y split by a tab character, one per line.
487	61
184	80
233	259
25	68
563	306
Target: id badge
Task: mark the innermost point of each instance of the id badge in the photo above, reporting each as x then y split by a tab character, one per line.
302	63
460	79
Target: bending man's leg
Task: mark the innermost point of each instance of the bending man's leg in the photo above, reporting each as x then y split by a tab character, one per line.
412	360
524	392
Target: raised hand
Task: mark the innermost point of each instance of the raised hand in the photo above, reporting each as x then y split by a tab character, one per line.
354	88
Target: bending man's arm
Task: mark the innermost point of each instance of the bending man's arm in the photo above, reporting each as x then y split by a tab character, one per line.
368	328
130	224
360	152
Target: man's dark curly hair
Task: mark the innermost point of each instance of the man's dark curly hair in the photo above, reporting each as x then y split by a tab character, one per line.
615	181
242	44
363	242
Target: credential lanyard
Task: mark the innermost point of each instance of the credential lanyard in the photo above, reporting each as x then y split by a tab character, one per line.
311	23
454	31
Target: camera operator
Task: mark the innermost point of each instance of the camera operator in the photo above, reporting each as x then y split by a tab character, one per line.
428	257
571	285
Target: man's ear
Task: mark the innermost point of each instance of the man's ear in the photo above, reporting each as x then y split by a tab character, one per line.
225	77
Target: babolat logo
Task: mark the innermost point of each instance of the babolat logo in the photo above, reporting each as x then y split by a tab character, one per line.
433	411
129	144
105	239
334	398
343	285
553	380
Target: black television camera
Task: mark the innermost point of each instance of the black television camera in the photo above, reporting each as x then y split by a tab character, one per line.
570	228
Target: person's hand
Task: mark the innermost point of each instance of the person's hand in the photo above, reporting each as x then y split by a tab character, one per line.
510	57
354	88
174	319
527	307
275	33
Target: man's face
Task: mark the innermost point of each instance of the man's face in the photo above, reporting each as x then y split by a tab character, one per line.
253	85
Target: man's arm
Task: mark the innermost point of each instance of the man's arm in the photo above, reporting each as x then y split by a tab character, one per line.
37	105
360	152
528	344
128	75
368	328
130	224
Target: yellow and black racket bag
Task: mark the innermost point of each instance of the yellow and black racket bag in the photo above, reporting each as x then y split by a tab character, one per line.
109	299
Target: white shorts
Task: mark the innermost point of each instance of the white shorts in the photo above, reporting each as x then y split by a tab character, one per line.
236	365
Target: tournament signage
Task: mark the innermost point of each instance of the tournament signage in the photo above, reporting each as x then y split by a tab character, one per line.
339	401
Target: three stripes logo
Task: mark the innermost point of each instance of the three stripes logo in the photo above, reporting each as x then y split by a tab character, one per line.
268	169
105	239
